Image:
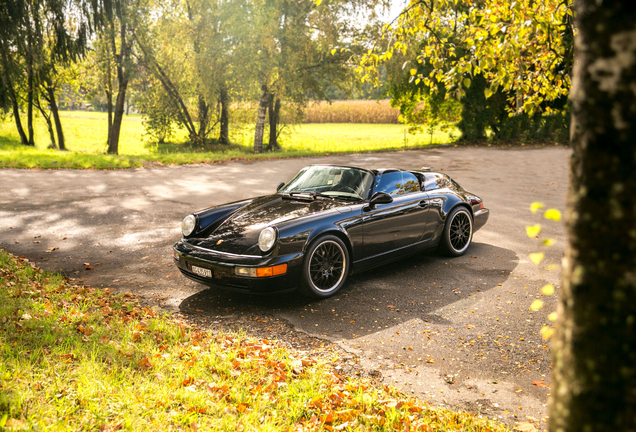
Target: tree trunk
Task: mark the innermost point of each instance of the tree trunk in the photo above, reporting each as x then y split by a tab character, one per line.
594	349
203	120
8	83
274	110
30	72
260	120
224	134
108	89
49	125
56	116
113	143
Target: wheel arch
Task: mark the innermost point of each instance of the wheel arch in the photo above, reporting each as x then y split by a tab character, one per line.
332	231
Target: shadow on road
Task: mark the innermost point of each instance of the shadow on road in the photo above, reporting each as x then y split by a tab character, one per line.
374	300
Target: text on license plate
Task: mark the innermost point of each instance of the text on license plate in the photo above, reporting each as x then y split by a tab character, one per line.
202	271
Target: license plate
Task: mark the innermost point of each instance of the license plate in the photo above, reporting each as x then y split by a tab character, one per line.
202	271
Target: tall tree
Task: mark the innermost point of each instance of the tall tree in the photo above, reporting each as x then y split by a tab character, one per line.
594	351
187	48
292	50
34	37
121	19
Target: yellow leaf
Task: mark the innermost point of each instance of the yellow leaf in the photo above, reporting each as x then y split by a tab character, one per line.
547	242
413	71
548	289
546	333
536	305
537	257
552	316
333	51
533	230
467	82
536	206
487	93
552	214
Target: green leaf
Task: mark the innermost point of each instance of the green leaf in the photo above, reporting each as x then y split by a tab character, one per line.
552	214
533	230
467	82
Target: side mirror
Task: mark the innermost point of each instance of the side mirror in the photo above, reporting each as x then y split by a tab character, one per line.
380	198
280	185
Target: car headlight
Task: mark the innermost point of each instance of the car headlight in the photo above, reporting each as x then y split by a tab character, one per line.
266	239
188	224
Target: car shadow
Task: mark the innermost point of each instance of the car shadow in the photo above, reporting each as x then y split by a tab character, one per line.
415	287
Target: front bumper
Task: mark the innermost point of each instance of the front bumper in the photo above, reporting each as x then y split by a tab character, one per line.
223	274
480	218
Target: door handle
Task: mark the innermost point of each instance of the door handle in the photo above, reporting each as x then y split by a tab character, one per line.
423	203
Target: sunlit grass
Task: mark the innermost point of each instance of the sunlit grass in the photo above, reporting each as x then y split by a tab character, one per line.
78	358
85	136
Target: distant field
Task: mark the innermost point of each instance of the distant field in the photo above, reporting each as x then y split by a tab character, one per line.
352	111
85	134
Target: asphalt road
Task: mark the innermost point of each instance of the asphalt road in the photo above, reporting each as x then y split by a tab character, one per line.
457	332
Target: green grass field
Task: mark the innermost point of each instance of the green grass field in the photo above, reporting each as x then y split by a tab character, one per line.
85	134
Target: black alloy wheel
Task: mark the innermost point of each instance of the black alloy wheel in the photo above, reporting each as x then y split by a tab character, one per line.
458	232
325	267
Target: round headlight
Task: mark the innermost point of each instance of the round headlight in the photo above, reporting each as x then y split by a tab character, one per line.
266	239
188	224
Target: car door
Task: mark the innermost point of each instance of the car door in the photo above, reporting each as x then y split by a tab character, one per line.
399	224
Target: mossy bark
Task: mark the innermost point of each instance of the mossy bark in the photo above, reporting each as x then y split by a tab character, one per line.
594	348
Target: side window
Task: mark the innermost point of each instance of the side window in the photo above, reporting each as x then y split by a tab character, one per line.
434	181
397	183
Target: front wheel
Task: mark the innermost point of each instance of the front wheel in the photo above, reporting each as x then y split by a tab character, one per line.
458	232
325	267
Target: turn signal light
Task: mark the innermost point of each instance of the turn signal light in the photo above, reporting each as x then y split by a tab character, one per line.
261	271
271	271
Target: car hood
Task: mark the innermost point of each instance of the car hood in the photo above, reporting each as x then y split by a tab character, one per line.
238	234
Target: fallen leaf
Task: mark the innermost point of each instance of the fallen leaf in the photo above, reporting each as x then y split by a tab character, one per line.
144	363
537	257
525	427
540	383
89	268
533	230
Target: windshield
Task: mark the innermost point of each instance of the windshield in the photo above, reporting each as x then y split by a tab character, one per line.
332	181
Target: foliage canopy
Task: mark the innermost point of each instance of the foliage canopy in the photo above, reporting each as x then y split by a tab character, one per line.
524	48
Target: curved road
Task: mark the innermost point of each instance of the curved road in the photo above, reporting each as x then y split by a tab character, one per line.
457	332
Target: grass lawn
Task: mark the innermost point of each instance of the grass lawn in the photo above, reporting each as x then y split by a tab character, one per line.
85	134
77	358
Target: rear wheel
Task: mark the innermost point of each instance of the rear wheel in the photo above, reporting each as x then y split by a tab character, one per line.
325	267
458	232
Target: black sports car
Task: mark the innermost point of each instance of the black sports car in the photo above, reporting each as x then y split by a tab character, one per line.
325	223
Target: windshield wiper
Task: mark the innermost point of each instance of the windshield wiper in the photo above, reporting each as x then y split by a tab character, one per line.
306	195
311	195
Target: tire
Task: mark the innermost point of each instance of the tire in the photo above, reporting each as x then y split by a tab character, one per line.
325	267
458	232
